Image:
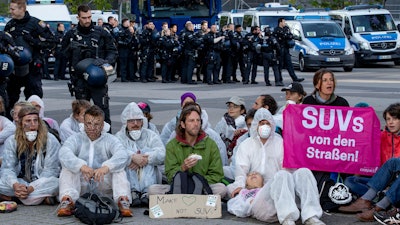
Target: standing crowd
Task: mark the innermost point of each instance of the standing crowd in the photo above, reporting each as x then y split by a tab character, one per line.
241	158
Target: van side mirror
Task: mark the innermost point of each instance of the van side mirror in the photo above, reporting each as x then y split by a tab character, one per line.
297	38
347	31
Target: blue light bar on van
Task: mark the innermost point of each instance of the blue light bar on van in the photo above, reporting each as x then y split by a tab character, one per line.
356	7
34	2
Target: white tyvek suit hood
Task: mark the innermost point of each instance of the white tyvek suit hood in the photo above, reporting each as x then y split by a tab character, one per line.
262	114
38	100
132	111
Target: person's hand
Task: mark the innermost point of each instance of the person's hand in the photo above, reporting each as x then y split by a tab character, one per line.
87	172
235	192
133	166
100	172
239	131
189	163
99	62
20	190
140	159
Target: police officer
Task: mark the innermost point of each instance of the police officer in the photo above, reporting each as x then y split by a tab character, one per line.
214	42
237	53
168	46
226	54
32	35
285	39
251	39
133	56
148	43
190	45
202	52
89	41
61	62
124	39
269	49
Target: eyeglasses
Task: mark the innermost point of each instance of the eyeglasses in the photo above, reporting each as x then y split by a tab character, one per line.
135	121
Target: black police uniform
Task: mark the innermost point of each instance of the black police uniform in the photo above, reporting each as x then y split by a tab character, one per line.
168	46
269	49
26	33
201	52
90	42
148	43
60	64
6	47
133	59
124	39
285	38
251	57
226	57
237	55
190	45
213	57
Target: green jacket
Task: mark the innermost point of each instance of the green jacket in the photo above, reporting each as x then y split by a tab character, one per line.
210	166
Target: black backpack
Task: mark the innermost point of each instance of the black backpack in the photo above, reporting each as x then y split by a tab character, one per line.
52	131
189	183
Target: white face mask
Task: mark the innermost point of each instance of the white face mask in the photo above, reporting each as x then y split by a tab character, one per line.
135	134
31	135
264	131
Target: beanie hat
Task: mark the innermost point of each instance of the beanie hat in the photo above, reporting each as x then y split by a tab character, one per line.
188	94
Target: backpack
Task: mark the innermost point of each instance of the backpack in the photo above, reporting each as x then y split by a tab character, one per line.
52	131
92	209
189	183
324	183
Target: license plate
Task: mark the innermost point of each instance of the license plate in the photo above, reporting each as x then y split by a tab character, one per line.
52	59
333	59
384	57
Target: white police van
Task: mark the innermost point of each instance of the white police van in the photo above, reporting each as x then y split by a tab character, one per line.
320	43
371	31
235	16
267	16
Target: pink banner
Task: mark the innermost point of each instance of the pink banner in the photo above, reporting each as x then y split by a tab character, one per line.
331	138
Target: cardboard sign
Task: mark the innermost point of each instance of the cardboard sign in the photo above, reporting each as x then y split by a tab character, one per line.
184	206
332	139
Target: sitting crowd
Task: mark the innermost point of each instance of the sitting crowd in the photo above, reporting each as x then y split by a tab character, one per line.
241	158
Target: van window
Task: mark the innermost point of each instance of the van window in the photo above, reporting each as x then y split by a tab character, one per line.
318	30
223	21
347	28
237	20
247	19
338	19
371	23
272	21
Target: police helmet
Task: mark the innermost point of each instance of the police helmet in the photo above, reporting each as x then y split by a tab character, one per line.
81	66
6	65
95	75
25	56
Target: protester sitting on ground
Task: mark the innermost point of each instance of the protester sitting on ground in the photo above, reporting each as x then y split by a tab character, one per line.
229	171
171	125
385	176
241	204
294	95
146	150
70	125
232	125
146	111
39	104
93	155
205	125
191	139
30	166
390	147
7	128
266	102
17	106
283	189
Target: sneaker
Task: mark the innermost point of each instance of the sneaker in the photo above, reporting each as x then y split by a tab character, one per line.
123	205
388	217
8	206
313	221
136	199
144	199
66	207
288	222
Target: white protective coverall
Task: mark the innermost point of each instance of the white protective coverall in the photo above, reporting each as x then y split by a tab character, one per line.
277	199
206	127
149	144
46	169
229	171
68	127
227	130
107	150
7	128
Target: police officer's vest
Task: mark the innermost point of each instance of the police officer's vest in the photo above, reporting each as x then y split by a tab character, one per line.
88	44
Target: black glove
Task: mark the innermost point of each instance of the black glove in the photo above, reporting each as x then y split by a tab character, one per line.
28	38
99	62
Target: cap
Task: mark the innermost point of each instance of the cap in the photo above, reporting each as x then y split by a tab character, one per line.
188	94
144	107
295	87
236	100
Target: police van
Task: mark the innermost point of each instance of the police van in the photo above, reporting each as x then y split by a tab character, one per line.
52	12
235	16
319	43
267	16
371	31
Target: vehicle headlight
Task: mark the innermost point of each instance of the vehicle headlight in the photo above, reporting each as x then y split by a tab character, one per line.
349	51
311	51
364	45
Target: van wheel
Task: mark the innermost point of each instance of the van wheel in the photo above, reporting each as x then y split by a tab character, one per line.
348	68
302	67
397	62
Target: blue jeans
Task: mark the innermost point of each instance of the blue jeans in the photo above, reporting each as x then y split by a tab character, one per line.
382	178
357	184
